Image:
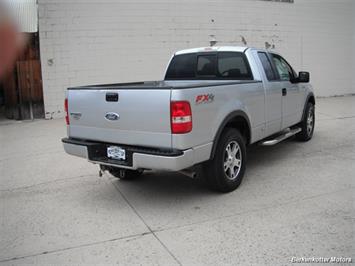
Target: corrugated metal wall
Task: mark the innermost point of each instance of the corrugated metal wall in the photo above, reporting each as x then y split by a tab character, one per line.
25	13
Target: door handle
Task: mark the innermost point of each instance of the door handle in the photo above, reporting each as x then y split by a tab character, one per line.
284	92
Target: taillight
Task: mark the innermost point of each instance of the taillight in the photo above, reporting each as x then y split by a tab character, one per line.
181	117
66	111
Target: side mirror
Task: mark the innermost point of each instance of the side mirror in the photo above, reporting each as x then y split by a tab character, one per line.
303	77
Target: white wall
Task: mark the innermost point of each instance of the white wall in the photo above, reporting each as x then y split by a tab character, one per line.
87	42
353	46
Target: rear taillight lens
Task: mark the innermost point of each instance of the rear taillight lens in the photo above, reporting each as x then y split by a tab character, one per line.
66	111
181	117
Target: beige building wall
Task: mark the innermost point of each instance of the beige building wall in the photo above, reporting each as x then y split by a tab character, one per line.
88	42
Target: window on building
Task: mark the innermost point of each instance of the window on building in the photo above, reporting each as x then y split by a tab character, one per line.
282	1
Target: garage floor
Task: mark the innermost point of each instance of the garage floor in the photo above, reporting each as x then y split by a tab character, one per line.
296	200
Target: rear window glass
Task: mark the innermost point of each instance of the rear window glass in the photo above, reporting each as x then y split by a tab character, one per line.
206	65
182	66
221	65
233	65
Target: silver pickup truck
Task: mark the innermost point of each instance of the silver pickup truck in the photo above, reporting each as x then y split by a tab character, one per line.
213	102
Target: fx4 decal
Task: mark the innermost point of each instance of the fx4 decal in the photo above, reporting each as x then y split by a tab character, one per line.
204	98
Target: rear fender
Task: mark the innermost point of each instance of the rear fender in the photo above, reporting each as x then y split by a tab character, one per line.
238	114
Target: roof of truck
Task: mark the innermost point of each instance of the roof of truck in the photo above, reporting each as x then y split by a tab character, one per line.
213	48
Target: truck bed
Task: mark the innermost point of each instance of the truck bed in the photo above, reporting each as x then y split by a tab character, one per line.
142	110
162	84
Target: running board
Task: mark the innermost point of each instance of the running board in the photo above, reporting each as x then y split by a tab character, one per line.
287	134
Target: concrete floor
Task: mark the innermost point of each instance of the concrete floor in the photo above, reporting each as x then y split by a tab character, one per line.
296	199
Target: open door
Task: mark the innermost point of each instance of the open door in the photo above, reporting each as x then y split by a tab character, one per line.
30	89
22	92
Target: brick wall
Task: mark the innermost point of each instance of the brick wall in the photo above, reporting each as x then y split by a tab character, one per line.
87	42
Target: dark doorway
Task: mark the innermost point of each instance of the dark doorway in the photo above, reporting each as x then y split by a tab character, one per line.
21	93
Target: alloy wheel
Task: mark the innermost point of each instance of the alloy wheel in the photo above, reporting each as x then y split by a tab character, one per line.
232	162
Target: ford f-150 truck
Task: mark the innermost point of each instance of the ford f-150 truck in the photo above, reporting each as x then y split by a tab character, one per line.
212	103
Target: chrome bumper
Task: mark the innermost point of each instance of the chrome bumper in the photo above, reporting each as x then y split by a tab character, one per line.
173	162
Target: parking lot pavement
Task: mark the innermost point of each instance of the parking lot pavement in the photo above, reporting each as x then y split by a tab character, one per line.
296	200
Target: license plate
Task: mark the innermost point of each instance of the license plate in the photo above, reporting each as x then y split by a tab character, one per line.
115	152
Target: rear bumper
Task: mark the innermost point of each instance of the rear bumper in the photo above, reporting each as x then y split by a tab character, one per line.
137	157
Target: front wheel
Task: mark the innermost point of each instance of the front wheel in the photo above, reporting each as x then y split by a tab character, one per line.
307	123
225	171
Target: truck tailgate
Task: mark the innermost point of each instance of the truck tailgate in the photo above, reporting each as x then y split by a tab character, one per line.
137	117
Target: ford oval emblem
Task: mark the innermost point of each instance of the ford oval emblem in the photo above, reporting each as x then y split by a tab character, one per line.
112	116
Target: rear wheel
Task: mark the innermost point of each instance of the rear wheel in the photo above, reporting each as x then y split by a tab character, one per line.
225	171
124	174
307	123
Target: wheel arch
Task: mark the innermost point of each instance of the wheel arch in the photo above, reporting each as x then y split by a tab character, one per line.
238	120
310	98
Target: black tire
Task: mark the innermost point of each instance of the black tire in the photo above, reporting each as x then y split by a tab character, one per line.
128	174
307	123
215	174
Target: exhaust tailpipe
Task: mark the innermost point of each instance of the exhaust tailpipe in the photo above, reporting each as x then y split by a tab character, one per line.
188	173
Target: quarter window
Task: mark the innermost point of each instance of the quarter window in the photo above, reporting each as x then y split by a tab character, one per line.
269	72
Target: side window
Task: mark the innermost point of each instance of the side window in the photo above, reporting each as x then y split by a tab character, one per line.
206	65
233	65
283	68
269	72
